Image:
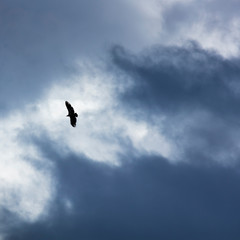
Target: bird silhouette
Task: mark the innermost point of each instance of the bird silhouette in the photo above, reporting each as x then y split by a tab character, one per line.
73	116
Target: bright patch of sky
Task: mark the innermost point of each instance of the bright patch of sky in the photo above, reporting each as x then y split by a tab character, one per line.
26	186
102	125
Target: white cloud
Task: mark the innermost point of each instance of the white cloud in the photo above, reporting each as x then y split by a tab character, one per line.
25	189
208	23
102	128
224	40
174	22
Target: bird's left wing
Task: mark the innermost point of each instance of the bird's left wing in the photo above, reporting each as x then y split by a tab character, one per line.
69	107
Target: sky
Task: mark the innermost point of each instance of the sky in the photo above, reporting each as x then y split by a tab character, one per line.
155	153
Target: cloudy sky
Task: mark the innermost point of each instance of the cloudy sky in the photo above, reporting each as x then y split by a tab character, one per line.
156	150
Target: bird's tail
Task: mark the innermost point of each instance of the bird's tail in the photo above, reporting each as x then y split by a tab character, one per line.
76	115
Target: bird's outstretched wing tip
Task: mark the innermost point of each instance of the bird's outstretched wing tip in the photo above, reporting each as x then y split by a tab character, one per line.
69	106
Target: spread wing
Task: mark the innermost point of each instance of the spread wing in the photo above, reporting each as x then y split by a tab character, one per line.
73	120
69	108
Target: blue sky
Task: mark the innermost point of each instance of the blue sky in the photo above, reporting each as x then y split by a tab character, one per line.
155	154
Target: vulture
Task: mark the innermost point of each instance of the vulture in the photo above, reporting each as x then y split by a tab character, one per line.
73	116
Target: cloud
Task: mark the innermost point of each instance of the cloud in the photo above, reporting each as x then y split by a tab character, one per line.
40	43
103	129
172	103
194	90
147	197
103	133
139	107
184	75
212	23
27	185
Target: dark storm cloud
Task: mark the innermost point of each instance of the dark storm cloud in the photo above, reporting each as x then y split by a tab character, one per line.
144	198
197	91
181	78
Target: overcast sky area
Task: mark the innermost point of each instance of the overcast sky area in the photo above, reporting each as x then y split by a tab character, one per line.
156	150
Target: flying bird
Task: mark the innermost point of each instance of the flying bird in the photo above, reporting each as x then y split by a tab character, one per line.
73	116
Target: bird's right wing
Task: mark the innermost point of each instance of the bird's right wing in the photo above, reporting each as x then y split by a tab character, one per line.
69	107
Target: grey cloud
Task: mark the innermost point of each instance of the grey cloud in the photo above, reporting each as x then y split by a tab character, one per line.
147	197
194	89
178	78
179	15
